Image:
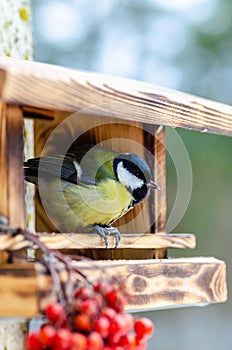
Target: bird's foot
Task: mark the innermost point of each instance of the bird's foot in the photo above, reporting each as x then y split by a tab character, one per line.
106	231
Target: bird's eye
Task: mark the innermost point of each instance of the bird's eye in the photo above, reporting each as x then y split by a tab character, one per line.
137	173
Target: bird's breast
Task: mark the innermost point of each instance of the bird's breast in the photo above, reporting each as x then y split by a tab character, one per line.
101	204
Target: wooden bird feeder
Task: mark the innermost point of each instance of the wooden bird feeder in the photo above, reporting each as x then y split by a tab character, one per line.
106	110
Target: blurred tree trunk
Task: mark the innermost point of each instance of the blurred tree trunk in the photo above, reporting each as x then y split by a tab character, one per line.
16	42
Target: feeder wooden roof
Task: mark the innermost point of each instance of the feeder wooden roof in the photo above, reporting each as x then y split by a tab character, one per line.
57	88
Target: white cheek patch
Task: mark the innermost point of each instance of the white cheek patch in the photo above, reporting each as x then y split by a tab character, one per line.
78	169
127	179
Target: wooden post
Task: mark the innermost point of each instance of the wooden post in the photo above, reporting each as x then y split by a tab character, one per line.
154	139
11	159
11	179
3	170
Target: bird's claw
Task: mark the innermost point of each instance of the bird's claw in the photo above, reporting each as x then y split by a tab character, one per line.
104	232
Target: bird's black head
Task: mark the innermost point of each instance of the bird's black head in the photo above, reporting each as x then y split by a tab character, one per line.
134	173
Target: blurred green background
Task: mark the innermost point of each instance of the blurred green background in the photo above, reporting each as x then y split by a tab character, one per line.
180	44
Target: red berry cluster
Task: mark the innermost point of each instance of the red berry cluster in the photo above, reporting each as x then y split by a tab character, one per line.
95	320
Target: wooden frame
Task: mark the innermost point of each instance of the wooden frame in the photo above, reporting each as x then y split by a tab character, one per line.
147	284
43	91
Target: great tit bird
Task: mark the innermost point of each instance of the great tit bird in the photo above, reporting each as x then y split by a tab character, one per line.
90	190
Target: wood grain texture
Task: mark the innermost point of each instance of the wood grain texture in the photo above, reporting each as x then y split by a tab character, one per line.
160	205
160	198
11	160
93	241
3	161
14	157
11	170
154	284
2	80
51	87
18	291
154	139
3	171
37	113
149	284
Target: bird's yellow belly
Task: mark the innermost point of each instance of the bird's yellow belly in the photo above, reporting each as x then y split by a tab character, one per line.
80	206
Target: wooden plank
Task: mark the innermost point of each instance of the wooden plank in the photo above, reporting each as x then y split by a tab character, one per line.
37	113
160	205
2	80
15	187
94	241
11	170
160	198
169	282
154	139
51	87
128	241
11	160
149	284
3	171
18	291
3	161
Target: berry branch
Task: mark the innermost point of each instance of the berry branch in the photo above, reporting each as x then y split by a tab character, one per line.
86	316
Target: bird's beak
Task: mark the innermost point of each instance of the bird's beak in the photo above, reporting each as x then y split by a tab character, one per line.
154	185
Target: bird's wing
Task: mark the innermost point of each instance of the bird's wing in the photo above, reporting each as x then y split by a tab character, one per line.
96	161
64	167
87	166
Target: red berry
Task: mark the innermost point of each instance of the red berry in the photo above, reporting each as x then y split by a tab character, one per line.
63	339
115	300
87	305
83	293
95	341
79	341
103	287
82	323
56	314
143	328
109	313
98	287
128	322
33	342
112	297
119	324
128	341
47	335
113	338
141	344
102	325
